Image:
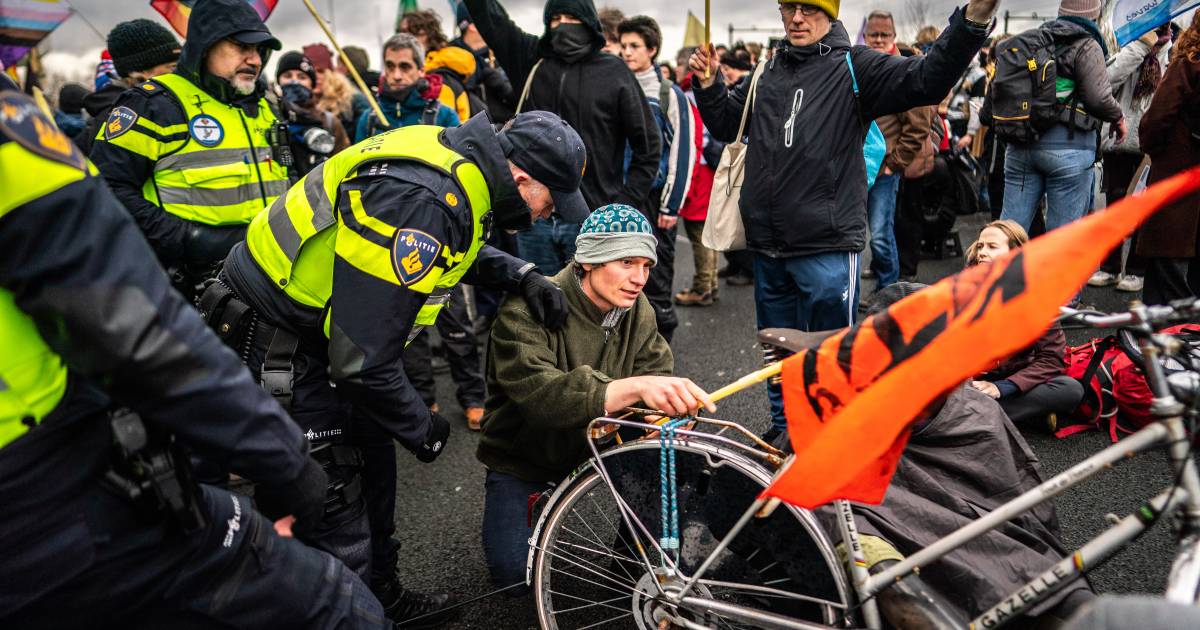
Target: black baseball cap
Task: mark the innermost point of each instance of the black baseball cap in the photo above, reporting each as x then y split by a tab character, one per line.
545	146
257	37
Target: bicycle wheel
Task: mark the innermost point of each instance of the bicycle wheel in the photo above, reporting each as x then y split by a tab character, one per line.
588	574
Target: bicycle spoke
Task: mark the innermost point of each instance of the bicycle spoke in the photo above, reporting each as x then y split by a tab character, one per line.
606	603
600	623
616	557
615	531
599	570
625	585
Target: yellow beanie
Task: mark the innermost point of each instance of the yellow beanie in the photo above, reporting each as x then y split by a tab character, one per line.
830	7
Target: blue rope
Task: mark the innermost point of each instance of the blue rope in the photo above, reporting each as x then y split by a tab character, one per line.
668	487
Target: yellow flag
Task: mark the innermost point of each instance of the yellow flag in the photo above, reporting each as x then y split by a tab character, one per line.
693	33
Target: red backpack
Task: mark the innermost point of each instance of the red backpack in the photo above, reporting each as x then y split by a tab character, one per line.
1116	395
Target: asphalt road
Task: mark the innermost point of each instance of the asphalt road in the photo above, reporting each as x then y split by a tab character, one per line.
440	506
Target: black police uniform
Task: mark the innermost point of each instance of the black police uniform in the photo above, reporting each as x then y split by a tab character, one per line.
79	552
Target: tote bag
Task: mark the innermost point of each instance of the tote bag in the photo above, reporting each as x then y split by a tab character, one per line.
723	229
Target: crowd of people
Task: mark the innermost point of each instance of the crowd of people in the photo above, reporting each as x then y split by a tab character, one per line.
522	193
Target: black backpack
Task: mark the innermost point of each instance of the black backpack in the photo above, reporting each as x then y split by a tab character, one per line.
1024	102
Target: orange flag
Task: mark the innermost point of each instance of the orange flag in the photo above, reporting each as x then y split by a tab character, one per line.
850	402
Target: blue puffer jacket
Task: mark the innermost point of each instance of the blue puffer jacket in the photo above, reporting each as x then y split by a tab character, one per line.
408	113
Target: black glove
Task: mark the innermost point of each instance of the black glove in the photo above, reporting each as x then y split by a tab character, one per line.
303	498
435	442
207	244
546	302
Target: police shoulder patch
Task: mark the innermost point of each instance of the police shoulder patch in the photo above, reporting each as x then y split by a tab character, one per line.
120	120
414	254
22	122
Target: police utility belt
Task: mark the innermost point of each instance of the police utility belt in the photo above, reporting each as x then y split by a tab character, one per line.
151	470
240	328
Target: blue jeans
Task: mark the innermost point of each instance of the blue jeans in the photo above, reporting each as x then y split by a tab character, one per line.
811	293
506	527
549	244
1065	176
881	214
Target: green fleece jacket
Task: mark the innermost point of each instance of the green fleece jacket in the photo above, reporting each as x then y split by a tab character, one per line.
544	387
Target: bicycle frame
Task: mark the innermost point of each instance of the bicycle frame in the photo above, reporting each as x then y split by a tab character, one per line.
1168	432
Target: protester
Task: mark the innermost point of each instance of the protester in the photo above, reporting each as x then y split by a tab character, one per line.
1135	73
1169	134
313	135
68	116
641	40
490	82
335	93
1031	385
545	386
1058	164
907	134
736	65
566	72
456	68
694	213
138	50
359	102
804	199
407	95
610	19
194	154
105	71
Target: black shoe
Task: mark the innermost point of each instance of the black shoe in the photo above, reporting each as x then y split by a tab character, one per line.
740	280
726	271
429	611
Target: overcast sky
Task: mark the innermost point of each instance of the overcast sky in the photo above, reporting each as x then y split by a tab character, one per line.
74	48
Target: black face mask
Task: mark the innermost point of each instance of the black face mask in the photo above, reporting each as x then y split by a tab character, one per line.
296	94
571	42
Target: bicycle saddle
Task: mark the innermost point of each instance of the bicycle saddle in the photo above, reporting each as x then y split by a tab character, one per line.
794	340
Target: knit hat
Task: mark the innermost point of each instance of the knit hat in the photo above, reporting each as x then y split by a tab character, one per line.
140	45
613	232
105	71
295	60
70	98
1089	9
830	7
320	56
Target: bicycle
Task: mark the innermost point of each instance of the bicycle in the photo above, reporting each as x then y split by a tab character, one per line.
727	559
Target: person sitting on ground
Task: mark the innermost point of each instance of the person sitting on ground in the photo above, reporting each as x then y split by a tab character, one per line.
1031	385
963	460
544	387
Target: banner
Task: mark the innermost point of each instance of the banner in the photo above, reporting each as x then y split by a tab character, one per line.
693	32
177	12
24	23
1133	18
850	403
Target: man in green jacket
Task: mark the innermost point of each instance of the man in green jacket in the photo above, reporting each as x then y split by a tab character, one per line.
545	386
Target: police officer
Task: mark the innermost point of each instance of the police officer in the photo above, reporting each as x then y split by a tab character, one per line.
196	153
102	524
351	264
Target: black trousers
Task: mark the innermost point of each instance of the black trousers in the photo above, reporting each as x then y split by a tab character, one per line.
462	353
662	276
1060	395
1119	169
236	572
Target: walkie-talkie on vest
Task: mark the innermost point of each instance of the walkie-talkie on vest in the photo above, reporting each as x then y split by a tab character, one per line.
281	152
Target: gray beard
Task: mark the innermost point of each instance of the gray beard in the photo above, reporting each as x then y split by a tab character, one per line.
242	87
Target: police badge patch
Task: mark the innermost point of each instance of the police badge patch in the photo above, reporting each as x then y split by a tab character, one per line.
413	255
120	120
206	130
22	122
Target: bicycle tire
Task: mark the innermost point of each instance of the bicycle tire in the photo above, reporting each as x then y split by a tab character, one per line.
579	579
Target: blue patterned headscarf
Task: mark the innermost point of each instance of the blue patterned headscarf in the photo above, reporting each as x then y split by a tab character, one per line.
613	232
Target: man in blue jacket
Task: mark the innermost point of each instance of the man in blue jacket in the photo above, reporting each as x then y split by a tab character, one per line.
407	95
804	199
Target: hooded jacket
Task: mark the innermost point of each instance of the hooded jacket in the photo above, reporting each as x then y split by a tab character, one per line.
596	95
456	67
126	171
490	83
410	112
805	188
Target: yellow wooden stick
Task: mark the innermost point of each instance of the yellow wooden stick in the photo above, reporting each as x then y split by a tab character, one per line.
747	381
707	33
40	99
349	66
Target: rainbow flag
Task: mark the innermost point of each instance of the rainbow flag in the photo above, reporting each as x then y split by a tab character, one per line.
24	23
177	11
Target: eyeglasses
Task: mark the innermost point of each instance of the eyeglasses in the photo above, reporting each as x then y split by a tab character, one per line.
788	11
881	35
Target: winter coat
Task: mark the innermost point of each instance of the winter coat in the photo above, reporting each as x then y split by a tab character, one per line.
1034	365
455	66
805	186
1123	71
1082	61
544	387
98	105
597	95
906	134
411	112
299	119
678	133
1171	232
490	84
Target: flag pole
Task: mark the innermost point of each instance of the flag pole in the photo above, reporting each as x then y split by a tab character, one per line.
349	66
707	34
747	381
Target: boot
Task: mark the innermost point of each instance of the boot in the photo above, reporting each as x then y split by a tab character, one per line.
689	297
401	604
